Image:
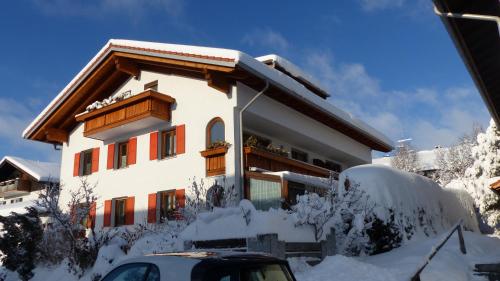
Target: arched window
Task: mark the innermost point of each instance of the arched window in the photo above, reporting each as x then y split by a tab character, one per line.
215	132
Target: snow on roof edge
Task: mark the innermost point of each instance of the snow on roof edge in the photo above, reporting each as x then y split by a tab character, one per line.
46	171
294	70
239	57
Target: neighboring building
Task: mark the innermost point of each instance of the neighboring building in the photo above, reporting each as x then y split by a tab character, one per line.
427	164
20	179
142	120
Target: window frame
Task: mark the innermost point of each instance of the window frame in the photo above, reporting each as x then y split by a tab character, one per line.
114	211
83	171
172	206
208	132
172	133
119	149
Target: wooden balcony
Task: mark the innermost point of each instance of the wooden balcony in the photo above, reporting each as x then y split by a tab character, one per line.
255	157
141	111
14	187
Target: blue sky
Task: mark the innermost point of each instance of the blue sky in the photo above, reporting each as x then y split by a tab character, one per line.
389	62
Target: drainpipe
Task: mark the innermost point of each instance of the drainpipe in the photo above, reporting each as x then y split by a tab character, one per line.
242	168
469	16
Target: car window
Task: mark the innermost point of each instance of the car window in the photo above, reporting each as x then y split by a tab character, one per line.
128	272
154	273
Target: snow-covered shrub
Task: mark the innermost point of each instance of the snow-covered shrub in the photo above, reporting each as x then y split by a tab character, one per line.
72	243
20	242
405	158
454	161
484	171
204	199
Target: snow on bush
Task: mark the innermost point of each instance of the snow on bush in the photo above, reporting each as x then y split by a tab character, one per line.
416	201
477	179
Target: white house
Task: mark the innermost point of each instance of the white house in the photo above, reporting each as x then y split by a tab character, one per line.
142	120
20	181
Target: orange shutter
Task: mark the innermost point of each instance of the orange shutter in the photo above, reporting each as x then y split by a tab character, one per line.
107	213
95	160
180	134
180	198
152	208
153	146
91	217
132	151
76	165
111	156
129	210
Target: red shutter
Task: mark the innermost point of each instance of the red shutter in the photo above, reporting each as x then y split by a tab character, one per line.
107	213
180	134
76	165
111	156
91	218
180	198
129	210
132	151
153	146
152	208
95	160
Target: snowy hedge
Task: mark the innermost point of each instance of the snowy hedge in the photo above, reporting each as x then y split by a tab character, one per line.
418	204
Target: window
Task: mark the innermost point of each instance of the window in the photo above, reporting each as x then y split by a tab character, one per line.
122	155
215	132
299	155
168	144
134	272
86	158
151	86
120	211
16	200
333	166
167	204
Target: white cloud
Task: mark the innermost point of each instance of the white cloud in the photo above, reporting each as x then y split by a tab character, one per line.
14	117
375	5
266	38
429	115
97	9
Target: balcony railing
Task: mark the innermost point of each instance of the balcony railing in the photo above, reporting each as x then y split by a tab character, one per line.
259	158
143	110
14	186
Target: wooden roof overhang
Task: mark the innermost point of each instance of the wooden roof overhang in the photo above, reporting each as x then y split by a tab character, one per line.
118	66
478	42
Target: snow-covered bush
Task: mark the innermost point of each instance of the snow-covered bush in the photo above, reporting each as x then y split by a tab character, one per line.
20	242
477	179
71	242
405	158
452	162
203	199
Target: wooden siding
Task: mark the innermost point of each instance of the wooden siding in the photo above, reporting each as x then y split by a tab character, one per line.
215	161
259	158
146	104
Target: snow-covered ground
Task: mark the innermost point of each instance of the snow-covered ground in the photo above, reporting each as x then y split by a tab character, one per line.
399	264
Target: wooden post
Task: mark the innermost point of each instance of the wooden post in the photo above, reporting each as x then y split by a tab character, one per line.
461	239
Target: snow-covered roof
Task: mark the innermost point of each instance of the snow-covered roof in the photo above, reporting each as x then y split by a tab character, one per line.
41	171
294	71
214	56
426	160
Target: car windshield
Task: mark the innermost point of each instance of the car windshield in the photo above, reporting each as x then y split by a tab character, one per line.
262	272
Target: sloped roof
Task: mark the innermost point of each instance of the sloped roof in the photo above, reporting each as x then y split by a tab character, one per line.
41	171
218	57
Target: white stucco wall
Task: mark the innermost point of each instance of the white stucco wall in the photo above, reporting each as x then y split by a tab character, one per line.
309	135
196	105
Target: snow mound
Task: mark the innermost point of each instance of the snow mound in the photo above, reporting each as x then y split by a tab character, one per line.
233	222
412	198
